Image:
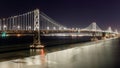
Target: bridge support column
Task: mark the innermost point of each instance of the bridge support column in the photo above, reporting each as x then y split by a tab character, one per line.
36	40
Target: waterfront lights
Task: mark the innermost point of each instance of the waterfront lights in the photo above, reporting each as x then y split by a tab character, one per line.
3	34
18	35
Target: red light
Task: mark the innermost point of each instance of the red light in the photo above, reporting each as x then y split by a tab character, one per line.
42	52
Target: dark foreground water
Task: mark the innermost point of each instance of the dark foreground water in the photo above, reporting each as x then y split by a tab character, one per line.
100	54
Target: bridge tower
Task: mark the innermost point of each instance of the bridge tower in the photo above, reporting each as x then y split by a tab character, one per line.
109	30
116	31
94	28
36	38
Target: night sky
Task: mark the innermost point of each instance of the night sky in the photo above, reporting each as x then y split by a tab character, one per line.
71	13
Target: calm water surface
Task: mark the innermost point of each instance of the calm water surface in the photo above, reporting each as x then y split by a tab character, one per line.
100	54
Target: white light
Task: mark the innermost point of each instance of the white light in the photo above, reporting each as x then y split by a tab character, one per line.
54	28
4	26
65	28
29	27
18	27
48	28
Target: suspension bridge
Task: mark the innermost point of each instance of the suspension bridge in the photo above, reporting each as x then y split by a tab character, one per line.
36	23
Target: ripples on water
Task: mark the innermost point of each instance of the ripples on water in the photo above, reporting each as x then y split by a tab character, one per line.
101	54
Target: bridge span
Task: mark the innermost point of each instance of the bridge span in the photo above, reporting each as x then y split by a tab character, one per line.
35	23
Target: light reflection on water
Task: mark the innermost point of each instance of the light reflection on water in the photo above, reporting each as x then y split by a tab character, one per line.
87	55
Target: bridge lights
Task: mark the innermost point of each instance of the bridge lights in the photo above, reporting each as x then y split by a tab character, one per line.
64	28
116	31
54	28
18	27
76	28
4	27
48	28
18	35
60	28
29	27
73	28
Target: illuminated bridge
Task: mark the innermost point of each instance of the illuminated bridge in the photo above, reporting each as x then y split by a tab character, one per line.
36	23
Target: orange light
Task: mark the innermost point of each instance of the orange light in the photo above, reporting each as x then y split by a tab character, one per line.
42	52
18	35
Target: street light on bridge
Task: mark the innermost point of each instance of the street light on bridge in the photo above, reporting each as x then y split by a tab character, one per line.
29	27
64	28
4	27
18	27
48	28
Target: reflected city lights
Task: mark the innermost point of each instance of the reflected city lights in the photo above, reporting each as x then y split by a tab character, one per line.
18	35
65	57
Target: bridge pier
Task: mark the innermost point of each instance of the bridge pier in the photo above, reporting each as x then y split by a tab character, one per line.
36	41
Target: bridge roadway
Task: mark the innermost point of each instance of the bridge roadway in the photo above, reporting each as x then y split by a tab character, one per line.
31	22
93	34
51	32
